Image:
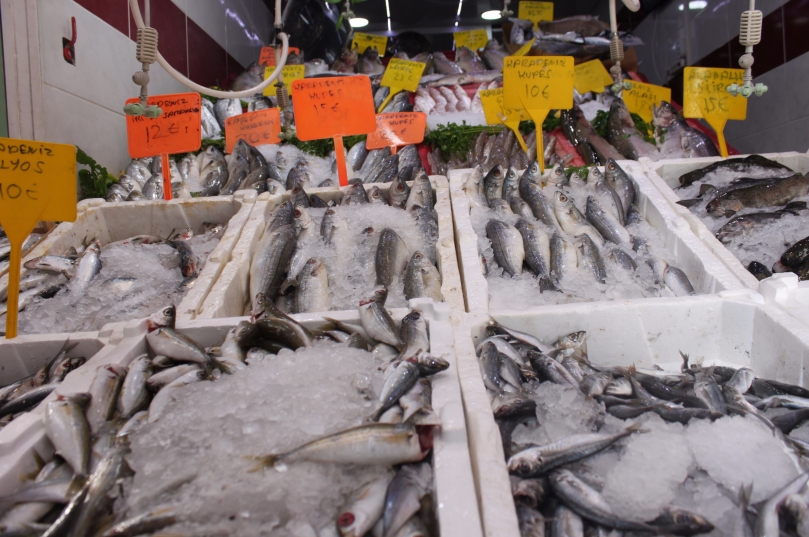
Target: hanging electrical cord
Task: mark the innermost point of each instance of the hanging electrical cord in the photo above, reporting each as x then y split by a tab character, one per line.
147	54
617	47
749	35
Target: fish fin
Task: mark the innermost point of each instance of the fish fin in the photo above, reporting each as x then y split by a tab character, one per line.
545	284
262	462
689	203
684	367
636	428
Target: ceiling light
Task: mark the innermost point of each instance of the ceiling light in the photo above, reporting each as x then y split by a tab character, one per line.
456	23
490	15
387	8
389	26
695	4
358	22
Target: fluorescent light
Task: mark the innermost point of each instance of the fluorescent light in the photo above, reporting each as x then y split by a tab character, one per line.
490	15
695	4
387	8
456	23
358	22
460	5
389	25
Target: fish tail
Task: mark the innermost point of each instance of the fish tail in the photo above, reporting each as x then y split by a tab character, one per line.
635	428
263	462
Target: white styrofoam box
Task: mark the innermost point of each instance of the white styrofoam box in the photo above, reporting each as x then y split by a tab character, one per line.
706	272
734	328
785	290
110	222
229	297
454	483
665	176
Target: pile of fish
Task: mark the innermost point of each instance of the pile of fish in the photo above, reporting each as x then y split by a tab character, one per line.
594	448
579	240
316	257
582	36
86	288
754	205
143	180
795	259
132	458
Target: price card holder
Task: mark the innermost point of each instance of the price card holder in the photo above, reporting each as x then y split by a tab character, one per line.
289	74
536	11
538	84
256	128
267	56
37	182
591	76
401	75
471	39
397	128
332	108
640	98
177	130
705	96
362	42
492	101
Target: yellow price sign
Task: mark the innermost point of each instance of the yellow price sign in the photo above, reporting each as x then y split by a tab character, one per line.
538	84
401	75
641	96
37	182
591	76
362	42
492	101
289	74
536	11
471	39
705	96
525	49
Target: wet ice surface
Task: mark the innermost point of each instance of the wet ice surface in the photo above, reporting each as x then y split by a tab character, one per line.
766	241
578	285
134	282
195	456
700	467
350	260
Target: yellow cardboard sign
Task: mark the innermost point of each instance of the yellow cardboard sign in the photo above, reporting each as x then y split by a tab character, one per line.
401	75
641	96
591	76
365	41
492	101
289	74
523	50
471	39
37	182
536	11
705	95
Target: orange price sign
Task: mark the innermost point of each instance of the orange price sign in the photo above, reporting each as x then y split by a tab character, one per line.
177	130
256	128
397	128
332	108
267	56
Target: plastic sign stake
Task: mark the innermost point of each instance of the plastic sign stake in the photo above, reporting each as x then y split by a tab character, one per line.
705	96
362	42
538	84
591	76
332	108
177	130
536	11
471	39
401	75
640	98
256	128
37	182
525	49
492	101
397	128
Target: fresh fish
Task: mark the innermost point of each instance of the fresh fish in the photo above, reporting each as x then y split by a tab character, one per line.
537	247
166	395
178	346
541	206
606	223
467	60
144	523
162	378
507	244
708	391
355	194
473	188
271	258
250	78
403	498
188	260
364	509
103	395
679	139
422	279
750	166
624	136
391	257
398	193
67	429
677	281
493	183
378	324
312	292
134	395
332	226
53	264
571	220
357	154
564	258
444	66
401	378
226	108
421	192
757	193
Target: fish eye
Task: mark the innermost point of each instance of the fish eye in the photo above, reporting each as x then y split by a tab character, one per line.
400	186
167	311
346	519
297	213
563	197
524	467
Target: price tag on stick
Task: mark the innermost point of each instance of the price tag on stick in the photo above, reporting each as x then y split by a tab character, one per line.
332	108
640	98
492	101
471	39
177	130
256	128
37	182
267	56
538	84
591	76
401	75
289	74
536	11
397	128
705	96
365	41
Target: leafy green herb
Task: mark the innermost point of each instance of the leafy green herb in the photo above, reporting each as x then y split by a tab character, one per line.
643	127
218	143
457	139
95	181
212	99
320	148
527	126
581	170
599	123
551	121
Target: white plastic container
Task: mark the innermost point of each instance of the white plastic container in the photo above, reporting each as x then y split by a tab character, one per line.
229	297
665	176
706	272
110	222
734	328
454	484
787	292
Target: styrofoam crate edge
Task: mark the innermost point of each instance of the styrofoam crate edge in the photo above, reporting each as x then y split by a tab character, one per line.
787	292
227	296
454	481
476	288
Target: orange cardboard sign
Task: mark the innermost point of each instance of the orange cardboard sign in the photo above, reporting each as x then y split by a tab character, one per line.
267	56
256	128
177	130
335	106
397	128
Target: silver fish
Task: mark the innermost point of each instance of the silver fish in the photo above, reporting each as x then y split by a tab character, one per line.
606	223
422	279
312	293
134	395
364	509
103	395
378	324
271	258
507	244
67	429
391	257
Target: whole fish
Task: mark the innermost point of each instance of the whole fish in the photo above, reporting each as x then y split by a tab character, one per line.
403	498
401	378
541	206
421	192
679	139
564	258
677	281
571	220
226	108
189	262
178	346
494	55
391	257
467	60
621	184
606	223
364	509
87	268
271	258
761	193
355	194
369	62
473	188
422	279
66	426
357	155
103	395
250	78
493	183
751	165
444	66
134	396
332	226
378	324
312	292
398	193
537	247
507	244
624	136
